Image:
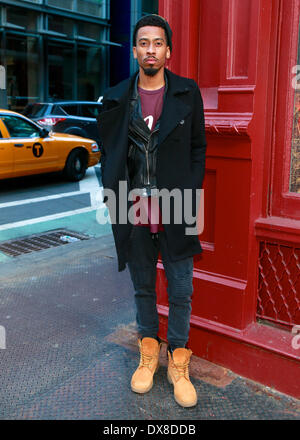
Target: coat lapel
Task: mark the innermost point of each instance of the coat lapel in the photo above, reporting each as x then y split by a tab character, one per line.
174	110
116	110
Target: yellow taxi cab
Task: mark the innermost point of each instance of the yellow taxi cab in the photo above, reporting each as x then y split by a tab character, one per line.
26	148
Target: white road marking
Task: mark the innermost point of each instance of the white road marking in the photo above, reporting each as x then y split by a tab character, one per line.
49	217
39	199
89	184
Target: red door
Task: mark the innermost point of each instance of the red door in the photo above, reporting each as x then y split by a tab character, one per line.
241	54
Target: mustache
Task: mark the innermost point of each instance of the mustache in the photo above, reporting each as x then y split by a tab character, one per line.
150	58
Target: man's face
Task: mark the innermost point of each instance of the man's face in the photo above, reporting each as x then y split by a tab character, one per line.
151	50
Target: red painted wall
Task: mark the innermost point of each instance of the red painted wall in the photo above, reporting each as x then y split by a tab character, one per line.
241	55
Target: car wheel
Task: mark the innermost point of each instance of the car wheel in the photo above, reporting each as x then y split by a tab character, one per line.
75	166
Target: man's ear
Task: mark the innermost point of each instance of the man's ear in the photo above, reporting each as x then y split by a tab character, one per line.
168	54
134	52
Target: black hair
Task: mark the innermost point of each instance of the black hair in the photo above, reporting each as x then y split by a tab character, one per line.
154	20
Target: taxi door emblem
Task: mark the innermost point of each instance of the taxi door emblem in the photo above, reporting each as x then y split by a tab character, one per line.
37	149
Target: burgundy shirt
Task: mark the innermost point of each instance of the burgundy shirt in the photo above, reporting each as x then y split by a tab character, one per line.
152	104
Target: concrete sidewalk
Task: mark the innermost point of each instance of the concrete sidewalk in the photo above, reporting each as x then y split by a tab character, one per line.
71	348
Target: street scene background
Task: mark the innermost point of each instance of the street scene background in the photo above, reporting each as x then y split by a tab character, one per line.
67	316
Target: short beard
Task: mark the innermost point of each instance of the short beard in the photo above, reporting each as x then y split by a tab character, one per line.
150	71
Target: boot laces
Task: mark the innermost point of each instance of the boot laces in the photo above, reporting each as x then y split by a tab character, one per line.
182	370
146	360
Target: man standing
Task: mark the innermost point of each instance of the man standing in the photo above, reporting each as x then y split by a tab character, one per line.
153	139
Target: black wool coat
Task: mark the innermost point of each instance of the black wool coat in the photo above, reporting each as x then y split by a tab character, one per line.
180	156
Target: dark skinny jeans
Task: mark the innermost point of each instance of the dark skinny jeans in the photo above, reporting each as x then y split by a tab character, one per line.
142	260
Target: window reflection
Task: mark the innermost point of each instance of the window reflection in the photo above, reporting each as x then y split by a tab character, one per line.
60	71
24	18
295	150
61	25
91	73
22	71
19	128
295	147
150	6
95	8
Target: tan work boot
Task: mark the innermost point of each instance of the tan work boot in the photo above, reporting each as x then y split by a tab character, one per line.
178	375
142	379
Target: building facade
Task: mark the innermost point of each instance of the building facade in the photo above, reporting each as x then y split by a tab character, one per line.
246	303
122	63
54	49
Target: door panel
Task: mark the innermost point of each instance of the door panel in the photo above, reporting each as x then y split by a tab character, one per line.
6	154
32	154
27	156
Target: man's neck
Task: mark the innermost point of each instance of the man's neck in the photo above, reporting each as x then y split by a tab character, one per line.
155	82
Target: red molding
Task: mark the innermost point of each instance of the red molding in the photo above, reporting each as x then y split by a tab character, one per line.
259	335
259	352
220	279
228	123
278	229
237	89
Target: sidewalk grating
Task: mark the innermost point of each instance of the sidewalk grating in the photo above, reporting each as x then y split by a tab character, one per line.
38	242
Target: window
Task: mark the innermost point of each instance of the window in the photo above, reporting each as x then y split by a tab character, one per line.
66	4
90	110
90	73
35	1
60	70
20	128
22	71
72	110
150	7
284	190
57	110
61	25
295	144
22	17
35	110
94	8
88	30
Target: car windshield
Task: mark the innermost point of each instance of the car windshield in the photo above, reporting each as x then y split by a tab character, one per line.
35	110
19	127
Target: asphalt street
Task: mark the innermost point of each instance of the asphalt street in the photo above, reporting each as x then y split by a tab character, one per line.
36	204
